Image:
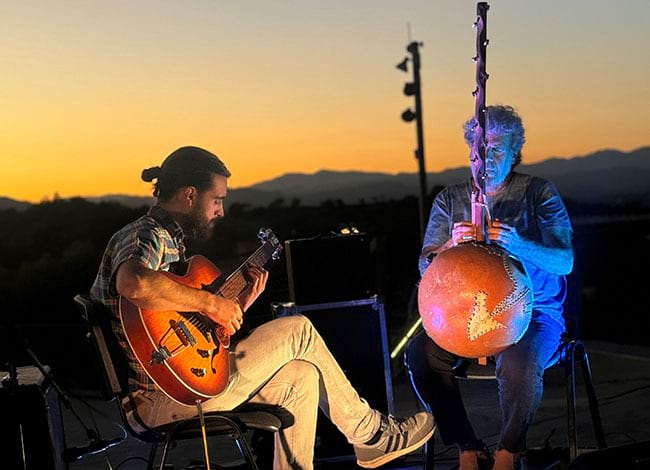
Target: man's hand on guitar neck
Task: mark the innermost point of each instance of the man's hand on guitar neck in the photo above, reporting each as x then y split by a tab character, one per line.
257	278
229	313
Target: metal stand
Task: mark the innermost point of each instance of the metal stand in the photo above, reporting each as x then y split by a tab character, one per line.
16	343
11	384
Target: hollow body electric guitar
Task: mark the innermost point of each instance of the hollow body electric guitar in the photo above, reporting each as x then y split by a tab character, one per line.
186	353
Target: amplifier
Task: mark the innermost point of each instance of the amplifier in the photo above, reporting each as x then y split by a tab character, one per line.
331	269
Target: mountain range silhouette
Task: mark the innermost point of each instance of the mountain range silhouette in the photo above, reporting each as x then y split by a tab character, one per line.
608	177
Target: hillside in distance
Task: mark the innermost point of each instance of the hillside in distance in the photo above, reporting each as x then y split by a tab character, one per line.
608	177
604	177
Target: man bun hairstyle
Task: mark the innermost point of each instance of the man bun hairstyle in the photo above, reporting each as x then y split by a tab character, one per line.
185	166
150	174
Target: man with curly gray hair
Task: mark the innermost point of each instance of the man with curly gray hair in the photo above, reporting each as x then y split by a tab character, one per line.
529	221
501	121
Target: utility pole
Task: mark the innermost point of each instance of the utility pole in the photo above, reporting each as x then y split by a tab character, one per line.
414	89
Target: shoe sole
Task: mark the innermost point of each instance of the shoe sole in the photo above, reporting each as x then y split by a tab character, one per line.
379	461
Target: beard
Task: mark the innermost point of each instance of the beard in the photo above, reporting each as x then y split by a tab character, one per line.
196	226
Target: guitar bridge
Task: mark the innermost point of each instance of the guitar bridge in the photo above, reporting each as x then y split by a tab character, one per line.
184	339
182	332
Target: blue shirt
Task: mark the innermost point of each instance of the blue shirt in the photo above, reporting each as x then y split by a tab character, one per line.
530	204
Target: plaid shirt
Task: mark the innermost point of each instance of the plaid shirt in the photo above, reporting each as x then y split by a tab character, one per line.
155	240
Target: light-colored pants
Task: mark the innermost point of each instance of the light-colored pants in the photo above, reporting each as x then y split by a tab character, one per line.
283	362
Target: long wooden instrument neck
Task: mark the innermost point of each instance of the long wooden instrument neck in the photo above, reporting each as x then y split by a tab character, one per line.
480	216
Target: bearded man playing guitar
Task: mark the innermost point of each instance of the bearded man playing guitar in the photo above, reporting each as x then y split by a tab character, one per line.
283	362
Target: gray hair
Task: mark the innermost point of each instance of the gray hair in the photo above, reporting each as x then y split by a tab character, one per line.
502	120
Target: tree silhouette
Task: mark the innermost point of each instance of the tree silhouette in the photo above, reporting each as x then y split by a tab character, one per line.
51	251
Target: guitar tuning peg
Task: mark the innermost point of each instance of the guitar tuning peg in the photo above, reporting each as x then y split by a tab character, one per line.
475	24
487	41
475	92
475	58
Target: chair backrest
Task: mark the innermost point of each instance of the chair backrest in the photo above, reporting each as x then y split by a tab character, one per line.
109	355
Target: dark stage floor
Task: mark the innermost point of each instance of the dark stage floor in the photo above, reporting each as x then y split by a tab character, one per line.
622	381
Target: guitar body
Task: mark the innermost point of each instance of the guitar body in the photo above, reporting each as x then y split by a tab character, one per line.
180	351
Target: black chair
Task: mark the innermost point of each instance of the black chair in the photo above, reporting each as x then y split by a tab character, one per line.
114	387
572	351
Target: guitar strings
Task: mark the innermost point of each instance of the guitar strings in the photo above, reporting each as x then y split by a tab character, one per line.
237	282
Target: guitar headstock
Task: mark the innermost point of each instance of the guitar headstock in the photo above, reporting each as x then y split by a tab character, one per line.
266	235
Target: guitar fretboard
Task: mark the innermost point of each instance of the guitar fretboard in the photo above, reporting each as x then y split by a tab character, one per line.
237	281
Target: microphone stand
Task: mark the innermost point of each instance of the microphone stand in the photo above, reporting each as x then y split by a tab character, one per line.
10	383
69	454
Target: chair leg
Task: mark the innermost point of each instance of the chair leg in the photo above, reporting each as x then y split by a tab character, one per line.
240	440
593	401
429	454
246	452
239	437
152	455
163	458
570	380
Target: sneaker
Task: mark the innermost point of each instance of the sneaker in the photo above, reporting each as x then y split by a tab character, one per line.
396	437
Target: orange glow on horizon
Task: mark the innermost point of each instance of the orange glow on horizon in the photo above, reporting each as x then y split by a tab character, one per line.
96	94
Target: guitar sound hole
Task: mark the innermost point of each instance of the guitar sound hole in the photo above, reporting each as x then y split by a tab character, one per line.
204	353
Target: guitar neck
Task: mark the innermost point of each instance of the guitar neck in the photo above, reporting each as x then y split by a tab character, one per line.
237	282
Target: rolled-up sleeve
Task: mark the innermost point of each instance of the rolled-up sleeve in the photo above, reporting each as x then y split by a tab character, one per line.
144	246
438	228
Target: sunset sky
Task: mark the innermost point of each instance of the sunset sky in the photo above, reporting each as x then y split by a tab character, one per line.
95	91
